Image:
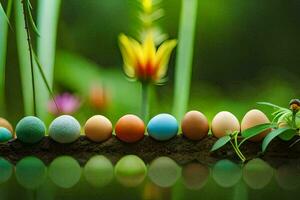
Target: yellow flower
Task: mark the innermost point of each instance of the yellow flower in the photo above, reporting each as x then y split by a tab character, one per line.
147	5
142	61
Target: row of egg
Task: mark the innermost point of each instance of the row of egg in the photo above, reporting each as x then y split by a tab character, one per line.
131	171
130	128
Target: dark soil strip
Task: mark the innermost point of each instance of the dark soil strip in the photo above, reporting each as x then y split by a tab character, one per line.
179	148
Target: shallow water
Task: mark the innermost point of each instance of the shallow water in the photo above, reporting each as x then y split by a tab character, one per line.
64	178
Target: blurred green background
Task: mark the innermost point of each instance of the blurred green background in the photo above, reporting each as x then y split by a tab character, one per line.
245	51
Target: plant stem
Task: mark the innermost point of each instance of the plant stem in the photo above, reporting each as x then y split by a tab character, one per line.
30	56
294	119
145	101
238	152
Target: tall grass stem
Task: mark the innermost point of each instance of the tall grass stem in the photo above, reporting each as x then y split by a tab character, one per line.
24	61
145	102
184	59
4	24
47	20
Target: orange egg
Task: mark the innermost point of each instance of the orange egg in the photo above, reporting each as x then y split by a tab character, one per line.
252	118
130	128
194	125
4	123
98	128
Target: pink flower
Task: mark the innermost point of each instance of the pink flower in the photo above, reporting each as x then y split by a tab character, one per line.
66	103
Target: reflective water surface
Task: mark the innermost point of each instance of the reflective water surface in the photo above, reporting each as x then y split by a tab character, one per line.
162	179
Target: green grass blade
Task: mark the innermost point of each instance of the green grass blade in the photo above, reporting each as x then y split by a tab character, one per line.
221	142
47	19
3	48
24	59
272	105
184	57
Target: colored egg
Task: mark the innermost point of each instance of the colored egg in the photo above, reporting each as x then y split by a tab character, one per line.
164	172
4	123
64	129
6	170
162	127
130	128
253	118
64	171
257	173
226	173
194	125
31	172
195	175
130	171
98	171
223	123
5	135
98	128
30	130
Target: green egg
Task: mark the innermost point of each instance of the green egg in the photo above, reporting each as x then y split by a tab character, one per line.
226	173
164	172
130	171
64	129
30	130
6	170
31	172
98	171
65	172
5	135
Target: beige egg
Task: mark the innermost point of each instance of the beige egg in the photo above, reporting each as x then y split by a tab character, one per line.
98	128
194	125
253	118
224	122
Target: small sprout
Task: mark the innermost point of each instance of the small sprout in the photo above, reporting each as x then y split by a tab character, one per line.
285	119
231	137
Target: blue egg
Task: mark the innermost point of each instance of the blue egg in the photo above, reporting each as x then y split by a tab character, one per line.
162	127
64	129
5	135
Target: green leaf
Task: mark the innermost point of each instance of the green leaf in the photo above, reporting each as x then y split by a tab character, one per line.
273	135
32	23
221	142
3	50
253	131
288	135
272	105
184	57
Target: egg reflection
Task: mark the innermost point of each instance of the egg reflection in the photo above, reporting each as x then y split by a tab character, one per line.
64	171
288	176
195	175
130	171
31	172
164	172
98	171
257	173
226	173
6	170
